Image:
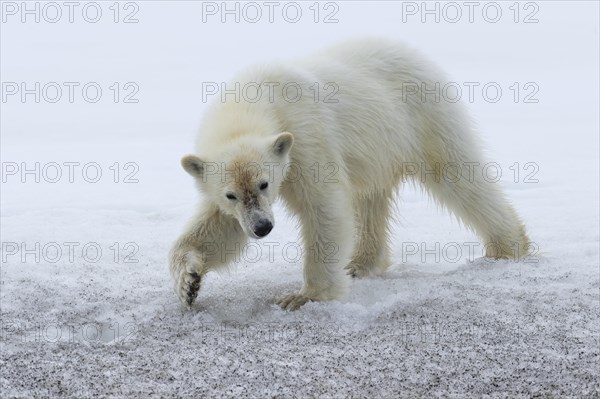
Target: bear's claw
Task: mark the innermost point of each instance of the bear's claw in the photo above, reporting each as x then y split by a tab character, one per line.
193	288
355	271
186	271
293	301
188	287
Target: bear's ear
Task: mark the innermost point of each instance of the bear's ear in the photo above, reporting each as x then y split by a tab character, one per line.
283	143
193	165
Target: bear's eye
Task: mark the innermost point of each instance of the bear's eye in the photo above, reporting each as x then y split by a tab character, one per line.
231	196
264	185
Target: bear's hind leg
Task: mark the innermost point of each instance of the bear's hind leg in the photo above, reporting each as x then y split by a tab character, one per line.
482	206
371	253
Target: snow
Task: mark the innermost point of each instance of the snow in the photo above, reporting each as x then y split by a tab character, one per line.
82	326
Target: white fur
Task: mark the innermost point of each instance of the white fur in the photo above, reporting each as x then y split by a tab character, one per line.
367	138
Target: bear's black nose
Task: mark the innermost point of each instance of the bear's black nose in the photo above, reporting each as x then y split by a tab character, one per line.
263	227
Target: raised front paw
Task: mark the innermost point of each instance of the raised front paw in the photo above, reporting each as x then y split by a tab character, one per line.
188	287
185	271
293	301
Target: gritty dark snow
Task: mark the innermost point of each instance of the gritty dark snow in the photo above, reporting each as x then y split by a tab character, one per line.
107	324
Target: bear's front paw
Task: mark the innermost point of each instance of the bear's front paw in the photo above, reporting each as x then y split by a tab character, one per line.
187	278
188	287
293	301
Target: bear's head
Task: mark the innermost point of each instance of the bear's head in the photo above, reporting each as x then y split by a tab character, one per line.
243	178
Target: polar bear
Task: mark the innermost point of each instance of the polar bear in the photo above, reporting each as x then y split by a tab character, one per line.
336	158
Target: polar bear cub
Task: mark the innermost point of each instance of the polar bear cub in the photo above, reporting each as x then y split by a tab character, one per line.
336	159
